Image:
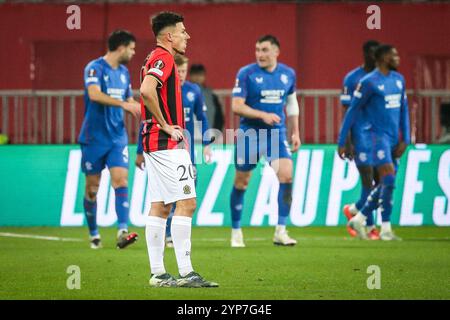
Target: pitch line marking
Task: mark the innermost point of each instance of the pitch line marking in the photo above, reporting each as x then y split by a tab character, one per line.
32	236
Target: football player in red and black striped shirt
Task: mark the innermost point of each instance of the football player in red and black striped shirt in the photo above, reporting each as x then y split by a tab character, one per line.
170	172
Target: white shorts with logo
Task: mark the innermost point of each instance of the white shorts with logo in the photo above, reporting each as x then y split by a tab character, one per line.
171	175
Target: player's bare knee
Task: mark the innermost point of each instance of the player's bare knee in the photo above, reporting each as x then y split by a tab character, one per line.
241	181
119	183
160	210
186	207
91	192
191	205
241	185
285	178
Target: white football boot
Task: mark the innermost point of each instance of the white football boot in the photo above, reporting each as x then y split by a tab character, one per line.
281	237
237	238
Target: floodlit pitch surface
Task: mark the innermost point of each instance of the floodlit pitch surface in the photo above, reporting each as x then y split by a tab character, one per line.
326	264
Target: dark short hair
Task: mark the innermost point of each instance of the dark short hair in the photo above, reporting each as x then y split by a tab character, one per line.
382	50
369	44
197	69
268	37
165	19
118	38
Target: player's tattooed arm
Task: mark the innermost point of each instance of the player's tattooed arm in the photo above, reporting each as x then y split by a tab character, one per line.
95	94
150	97
241	109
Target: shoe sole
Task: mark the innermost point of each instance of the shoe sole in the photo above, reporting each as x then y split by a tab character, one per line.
163	286
284	244
186	285
128	243
391	239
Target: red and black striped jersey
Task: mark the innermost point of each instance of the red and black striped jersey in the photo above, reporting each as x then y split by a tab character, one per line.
161	65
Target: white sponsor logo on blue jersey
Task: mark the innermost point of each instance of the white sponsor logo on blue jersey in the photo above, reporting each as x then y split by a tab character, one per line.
393	100
272	96
116	93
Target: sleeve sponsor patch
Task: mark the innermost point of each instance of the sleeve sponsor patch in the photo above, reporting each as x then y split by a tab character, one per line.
158	64
155	71
92	79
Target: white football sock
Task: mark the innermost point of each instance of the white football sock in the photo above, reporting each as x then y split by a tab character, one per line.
155	231
280	228
353	210
181	237
360	217
386	226
120	231
236	232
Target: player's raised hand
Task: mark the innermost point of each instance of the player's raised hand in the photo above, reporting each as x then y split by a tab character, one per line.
133	108
175	132
296	143
271	118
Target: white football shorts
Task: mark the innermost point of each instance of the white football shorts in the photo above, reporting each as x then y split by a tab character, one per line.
171	175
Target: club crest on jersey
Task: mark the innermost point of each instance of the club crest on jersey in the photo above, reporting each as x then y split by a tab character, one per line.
362	157
399	84
106	78
190	96
125	154
284	79
88	166
159	64
123	78
259	79
381	87
187	189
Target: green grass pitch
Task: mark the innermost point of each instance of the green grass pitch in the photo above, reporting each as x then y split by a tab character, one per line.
326	264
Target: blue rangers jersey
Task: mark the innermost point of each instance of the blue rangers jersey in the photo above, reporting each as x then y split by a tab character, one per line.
351	80
104	125
383	103
194	105
265	91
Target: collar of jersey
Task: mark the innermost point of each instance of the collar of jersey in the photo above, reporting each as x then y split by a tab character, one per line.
264	70
158	46
108	65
